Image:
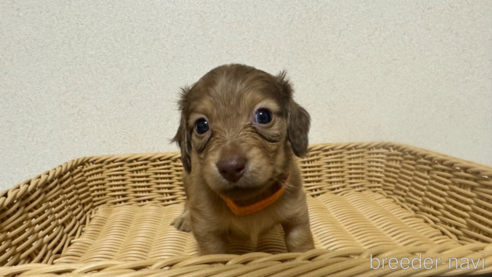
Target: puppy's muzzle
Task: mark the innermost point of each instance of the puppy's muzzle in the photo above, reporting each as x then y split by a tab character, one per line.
232	164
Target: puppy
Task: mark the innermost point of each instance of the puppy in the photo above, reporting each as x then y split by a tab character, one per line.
238	134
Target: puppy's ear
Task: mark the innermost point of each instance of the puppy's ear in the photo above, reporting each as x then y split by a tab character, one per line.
298	128
298	119
183	136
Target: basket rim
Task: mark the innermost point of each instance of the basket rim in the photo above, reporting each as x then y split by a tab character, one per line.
458	163
343	262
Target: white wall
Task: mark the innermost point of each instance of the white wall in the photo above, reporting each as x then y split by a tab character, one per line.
81	78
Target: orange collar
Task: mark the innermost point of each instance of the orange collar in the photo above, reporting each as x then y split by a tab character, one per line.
260	205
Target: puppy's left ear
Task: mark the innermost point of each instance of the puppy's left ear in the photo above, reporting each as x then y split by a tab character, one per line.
298	129
298	119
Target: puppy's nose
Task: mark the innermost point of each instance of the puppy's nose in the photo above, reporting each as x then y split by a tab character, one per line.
232	167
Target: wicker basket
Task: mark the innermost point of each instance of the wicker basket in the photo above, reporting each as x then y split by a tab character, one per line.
373	207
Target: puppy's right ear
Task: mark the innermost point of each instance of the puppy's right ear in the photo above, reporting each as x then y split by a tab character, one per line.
183	136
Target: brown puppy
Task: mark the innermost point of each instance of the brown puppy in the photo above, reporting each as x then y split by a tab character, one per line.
238	133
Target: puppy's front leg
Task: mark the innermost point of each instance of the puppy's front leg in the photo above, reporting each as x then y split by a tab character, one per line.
298	237
210	242
182	222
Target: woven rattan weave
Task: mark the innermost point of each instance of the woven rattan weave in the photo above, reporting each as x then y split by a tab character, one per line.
372	206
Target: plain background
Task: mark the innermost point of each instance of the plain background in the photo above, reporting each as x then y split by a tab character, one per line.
82	78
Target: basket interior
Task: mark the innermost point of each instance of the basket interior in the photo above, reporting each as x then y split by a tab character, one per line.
362	196
352	220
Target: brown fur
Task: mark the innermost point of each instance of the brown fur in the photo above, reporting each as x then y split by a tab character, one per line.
227	97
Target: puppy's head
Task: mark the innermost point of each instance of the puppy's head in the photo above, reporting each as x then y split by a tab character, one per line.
239	127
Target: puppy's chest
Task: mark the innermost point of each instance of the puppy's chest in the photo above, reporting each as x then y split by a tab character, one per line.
257	223
261	221
251	226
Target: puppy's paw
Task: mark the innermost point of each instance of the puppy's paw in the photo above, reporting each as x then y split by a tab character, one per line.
182	222
298	237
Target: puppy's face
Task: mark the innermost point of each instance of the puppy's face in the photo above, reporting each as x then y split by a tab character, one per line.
238	129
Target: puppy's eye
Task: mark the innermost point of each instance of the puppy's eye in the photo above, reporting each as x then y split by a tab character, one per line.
263	116
201	126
